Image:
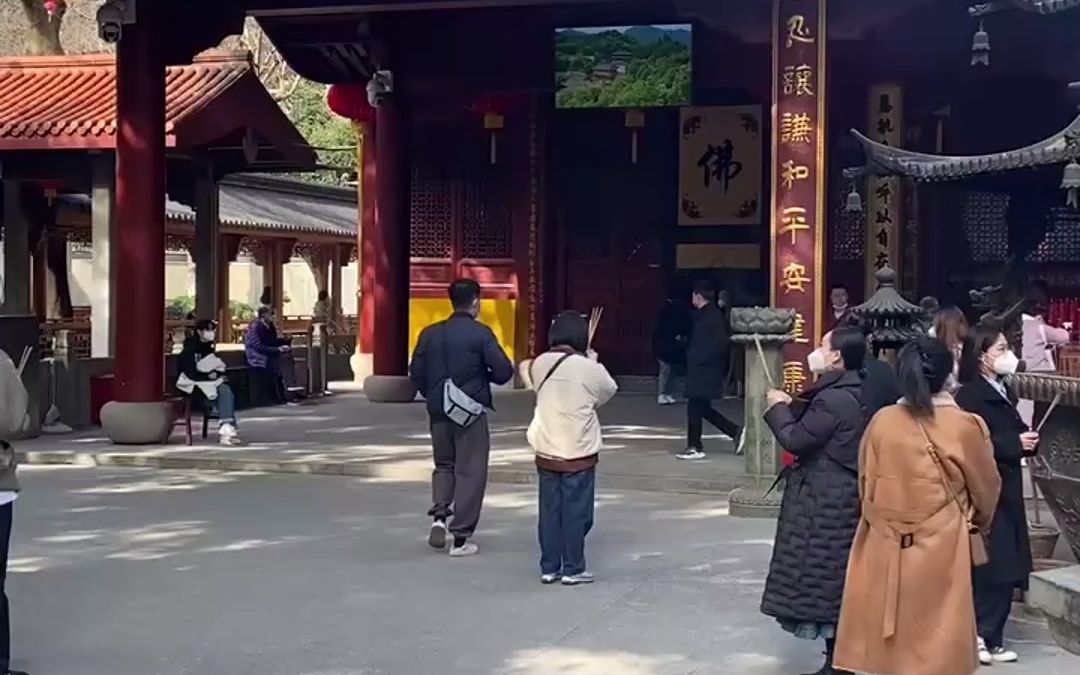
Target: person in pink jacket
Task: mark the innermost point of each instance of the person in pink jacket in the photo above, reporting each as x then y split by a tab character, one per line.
1039	341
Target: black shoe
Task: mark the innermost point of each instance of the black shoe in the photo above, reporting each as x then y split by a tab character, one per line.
14	672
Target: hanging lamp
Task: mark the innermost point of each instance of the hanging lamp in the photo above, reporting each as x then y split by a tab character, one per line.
980	47
1070	182
854	200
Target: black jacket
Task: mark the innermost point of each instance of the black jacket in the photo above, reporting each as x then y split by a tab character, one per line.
707	354
464	349
672	330
1010	548
820	508
880	386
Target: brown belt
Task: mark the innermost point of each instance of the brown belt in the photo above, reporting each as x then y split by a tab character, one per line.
904	538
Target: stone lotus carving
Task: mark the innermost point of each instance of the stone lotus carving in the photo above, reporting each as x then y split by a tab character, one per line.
762	320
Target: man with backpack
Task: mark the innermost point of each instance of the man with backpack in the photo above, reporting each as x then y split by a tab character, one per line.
453	367
14	404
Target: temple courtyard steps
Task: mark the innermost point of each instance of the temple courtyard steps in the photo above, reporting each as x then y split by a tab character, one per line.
345	434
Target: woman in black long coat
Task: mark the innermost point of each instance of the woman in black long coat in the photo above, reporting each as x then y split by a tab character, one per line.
820	508
986	361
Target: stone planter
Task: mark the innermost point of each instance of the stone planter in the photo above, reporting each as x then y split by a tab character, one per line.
1044	539
762	320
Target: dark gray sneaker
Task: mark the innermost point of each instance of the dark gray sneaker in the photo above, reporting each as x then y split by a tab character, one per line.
437	536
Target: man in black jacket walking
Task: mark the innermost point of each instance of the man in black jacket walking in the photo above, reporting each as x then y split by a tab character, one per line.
706	370
464	352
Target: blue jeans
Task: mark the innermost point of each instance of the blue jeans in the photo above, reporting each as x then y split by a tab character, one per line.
566	516
225	404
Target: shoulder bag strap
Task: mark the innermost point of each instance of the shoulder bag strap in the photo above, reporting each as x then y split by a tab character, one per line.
932	450
550	372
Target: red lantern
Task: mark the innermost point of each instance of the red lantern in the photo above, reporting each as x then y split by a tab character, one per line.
351	102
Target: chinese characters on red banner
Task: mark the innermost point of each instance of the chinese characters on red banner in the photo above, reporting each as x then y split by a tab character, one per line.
883	192
798	206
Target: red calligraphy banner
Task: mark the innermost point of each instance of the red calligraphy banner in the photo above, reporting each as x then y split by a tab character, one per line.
798	176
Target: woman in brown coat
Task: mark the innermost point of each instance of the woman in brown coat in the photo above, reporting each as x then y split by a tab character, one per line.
908	606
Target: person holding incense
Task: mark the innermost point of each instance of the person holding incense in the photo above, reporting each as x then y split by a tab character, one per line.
986	363
570	385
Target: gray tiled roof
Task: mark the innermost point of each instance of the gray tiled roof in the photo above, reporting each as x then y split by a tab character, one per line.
885	159
266	203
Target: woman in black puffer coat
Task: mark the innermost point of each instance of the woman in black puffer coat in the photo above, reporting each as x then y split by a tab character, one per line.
820	508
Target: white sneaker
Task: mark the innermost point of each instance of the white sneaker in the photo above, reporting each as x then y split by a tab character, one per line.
548	579
1002	655
664	399
227	435
437	536
740	446
578	579
465	550
985	657
691	454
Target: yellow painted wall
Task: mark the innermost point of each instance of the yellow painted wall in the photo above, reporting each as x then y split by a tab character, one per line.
499	315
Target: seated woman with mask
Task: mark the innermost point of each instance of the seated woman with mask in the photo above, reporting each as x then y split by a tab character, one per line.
202	377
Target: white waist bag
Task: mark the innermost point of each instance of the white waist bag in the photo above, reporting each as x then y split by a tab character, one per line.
459	407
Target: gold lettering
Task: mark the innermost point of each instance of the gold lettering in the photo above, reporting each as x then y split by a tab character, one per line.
794	377
798	31
797	80
795	278
800	330
791	172
793	221
795	128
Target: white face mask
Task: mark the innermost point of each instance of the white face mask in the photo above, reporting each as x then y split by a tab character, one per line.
207	335
1006	364
817	362
932	332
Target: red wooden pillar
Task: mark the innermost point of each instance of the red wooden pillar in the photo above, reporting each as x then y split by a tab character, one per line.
140	209
365	335
390	241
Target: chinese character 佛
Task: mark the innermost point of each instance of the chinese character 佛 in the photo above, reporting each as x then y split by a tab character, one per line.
798	80
719	163
799	330
794	377
794	278
795	128
793	220
791	172
798	31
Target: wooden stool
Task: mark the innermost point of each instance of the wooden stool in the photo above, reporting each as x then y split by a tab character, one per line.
184	417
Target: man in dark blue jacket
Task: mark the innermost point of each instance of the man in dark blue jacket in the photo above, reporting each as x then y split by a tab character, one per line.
464	351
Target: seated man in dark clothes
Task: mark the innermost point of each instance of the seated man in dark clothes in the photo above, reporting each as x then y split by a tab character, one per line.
263	350
880	386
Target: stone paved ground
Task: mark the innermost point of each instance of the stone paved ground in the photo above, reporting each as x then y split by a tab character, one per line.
345	433
152	572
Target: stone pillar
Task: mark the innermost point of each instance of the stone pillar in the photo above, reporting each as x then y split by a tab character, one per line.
102	289
390	238
16	252
361	363
207	245
138	416
771	329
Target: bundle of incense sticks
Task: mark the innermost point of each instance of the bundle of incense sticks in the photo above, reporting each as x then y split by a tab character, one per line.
594	321
1031	474
25	359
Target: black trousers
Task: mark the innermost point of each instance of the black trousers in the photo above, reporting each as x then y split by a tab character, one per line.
460	475
5	626
699	409
992	606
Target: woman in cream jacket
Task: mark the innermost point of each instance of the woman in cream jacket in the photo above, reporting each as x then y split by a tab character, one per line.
570	385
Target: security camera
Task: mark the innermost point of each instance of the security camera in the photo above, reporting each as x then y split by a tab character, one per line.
112	16
379	87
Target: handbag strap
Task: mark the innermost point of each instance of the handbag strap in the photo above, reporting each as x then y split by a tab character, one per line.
549	373
931	448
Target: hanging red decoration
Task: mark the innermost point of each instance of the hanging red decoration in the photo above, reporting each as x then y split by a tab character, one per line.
350	101
494	107
53	7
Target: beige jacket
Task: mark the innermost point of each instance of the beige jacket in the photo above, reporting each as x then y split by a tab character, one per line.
564	424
